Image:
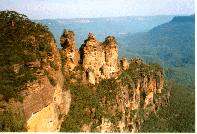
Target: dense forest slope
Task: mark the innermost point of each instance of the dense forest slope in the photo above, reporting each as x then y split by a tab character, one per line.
45	89
172	42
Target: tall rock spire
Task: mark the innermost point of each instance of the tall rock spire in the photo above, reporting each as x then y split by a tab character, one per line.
110	47
69	52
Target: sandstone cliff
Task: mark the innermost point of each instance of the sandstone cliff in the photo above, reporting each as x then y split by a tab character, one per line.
49	103
44	102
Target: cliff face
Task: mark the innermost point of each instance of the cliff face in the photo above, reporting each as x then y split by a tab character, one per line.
49	103
124	63
110	47
44	103
140	89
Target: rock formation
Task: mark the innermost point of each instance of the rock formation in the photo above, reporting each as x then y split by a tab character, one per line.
69	52
125	63
140	85
144	93
110	47
99	60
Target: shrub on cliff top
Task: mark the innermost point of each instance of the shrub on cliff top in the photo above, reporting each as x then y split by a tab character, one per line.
52	81
109	39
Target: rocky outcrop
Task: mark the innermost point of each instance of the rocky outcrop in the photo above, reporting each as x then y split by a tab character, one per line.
99	60
140	85
110	47
136	99
93	60
125	63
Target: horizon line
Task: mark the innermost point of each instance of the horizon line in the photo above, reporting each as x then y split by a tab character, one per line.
114	17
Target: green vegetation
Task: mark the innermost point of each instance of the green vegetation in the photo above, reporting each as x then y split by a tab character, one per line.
88	105
137	71
132	113
60	116
91	103
64	59
79	68
54	66
12	122
178	116
51	80
184	75
171	42
84	100
171	45
22	43
109	39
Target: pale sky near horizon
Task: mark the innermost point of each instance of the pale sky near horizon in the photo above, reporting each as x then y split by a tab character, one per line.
65	9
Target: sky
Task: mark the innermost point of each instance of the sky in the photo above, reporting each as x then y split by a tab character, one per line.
68	9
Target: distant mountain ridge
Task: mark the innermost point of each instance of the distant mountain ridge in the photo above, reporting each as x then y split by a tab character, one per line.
173	42
190	18
103	27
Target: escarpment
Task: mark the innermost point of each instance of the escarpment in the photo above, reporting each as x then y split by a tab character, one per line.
44	103
112	95
68	90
